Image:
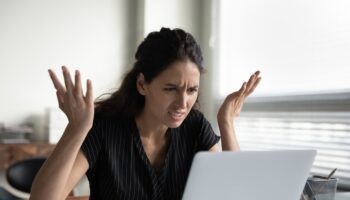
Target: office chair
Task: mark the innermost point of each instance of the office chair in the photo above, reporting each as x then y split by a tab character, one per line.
21	174
6	195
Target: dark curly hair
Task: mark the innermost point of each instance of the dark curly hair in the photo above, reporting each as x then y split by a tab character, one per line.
157	51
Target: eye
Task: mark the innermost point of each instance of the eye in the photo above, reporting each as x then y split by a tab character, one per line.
192	90
170	89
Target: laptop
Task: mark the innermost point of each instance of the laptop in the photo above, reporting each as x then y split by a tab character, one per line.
249	175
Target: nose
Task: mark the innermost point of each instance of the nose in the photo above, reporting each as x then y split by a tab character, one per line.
181	100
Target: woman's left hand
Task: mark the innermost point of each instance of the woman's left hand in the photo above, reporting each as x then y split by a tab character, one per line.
233	103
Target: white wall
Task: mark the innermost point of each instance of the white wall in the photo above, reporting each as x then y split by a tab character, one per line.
35	35
97	37
183	14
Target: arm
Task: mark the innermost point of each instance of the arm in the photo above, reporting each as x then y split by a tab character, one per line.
66	165
230	109
215	148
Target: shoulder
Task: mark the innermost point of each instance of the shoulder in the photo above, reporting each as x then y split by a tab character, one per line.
194	120
195	116
98	119
109	124
197	131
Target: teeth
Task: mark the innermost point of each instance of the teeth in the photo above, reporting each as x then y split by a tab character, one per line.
176	114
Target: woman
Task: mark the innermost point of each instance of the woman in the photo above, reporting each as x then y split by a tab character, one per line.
139	142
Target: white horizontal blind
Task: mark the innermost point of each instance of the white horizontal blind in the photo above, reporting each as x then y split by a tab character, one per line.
326	131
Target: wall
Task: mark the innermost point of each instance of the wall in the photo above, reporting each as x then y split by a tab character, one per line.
97	37
174	14
35	35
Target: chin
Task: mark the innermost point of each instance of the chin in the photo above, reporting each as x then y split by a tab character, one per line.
174	124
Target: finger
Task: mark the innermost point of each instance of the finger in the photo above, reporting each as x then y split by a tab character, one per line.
257	73
243	88
89	92
67	80
60	100
57	84
238	93
77	88
254	86
251	81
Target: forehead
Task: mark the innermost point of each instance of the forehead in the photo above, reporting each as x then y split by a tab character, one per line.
180	72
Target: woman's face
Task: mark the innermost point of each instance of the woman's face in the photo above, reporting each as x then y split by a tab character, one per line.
171	95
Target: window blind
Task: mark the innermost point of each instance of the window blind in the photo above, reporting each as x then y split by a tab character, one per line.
320	122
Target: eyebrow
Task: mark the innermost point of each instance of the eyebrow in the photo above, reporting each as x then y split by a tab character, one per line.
174	85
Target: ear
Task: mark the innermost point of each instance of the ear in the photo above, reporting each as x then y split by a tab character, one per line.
140	84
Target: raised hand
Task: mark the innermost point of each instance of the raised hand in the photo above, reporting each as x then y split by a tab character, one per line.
79	108
233	103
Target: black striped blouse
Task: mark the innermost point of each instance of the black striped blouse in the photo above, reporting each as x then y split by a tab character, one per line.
119	167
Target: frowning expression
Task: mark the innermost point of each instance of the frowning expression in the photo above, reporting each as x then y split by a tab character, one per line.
170	96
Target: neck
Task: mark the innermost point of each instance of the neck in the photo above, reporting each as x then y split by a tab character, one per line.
149	128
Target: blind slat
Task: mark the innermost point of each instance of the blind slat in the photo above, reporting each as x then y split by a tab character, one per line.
301	130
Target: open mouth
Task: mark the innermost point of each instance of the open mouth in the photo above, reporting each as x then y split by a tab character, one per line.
176	115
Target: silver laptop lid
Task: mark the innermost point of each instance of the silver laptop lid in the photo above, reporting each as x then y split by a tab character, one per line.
249	175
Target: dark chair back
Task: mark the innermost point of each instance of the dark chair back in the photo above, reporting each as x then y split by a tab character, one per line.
6	195
21	174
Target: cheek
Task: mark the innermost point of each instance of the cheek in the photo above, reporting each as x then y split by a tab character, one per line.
192	100
161	100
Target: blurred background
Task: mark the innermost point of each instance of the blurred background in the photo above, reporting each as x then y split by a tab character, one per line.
302	48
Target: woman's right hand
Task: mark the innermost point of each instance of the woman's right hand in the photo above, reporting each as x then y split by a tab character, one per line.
79	108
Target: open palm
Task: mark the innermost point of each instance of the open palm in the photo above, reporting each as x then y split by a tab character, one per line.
79	108
233	103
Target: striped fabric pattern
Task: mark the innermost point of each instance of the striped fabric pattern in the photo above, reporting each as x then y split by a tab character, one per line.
120	169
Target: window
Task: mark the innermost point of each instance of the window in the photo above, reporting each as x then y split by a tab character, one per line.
301	46
302	49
